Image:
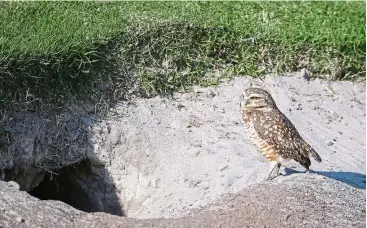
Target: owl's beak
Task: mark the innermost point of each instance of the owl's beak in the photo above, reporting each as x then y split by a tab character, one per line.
247	102
243	101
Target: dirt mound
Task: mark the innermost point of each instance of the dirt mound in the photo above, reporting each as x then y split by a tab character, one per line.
167	156
306	200
163	157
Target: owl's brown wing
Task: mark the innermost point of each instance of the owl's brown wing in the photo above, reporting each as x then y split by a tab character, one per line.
278	131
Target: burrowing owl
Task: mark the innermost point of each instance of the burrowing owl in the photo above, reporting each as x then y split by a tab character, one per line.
271	132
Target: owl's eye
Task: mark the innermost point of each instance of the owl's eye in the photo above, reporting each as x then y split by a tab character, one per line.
255	98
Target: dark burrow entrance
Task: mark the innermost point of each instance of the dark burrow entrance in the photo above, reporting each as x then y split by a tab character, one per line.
81	186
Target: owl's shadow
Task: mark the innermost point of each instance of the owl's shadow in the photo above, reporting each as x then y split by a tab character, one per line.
356	180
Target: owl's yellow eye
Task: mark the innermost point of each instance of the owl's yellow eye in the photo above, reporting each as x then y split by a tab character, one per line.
255	98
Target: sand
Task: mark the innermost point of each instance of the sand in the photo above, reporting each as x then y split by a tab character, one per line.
167	156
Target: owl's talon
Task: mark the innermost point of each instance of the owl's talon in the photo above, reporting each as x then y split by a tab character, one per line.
272	177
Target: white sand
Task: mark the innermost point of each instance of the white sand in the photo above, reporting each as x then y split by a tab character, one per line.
167	156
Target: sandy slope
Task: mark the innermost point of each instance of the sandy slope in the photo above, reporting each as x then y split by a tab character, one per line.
294	201
170	155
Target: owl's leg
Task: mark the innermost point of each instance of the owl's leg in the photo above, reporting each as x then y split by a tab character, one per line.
277	169
273	165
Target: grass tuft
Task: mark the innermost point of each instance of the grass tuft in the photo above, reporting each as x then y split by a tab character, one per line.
54	52
62	61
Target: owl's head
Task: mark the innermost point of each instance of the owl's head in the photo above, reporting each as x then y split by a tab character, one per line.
257	99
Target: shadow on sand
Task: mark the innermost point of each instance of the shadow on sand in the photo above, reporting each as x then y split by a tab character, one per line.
81	186
356	180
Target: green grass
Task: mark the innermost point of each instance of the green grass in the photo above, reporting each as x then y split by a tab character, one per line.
54	52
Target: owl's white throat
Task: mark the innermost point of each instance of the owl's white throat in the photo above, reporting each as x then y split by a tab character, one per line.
259	108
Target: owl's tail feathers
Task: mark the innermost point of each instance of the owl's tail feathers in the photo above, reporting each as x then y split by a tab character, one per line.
315	155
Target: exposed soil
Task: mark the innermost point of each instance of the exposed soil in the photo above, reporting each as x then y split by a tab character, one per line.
169	157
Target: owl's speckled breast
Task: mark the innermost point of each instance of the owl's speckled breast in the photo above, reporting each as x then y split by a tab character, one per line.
250	129
266	149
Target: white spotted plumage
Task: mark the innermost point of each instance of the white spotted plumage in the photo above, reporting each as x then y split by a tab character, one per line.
271	132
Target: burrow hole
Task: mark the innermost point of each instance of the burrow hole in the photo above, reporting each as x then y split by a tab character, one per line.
81	186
